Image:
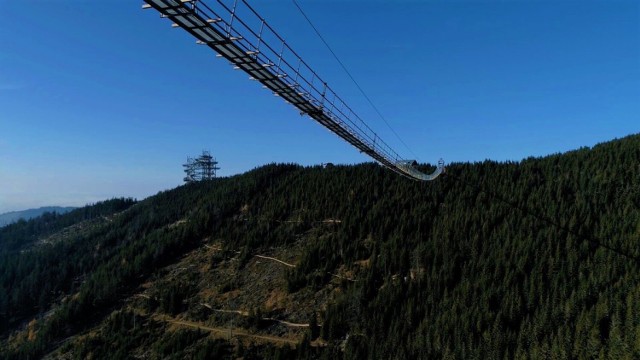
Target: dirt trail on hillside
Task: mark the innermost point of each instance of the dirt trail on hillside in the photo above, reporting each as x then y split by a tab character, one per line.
274	259
239	312
286	323
246	313
226	332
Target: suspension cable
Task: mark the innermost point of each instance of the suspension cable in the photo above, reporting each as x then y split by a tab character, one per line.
352	78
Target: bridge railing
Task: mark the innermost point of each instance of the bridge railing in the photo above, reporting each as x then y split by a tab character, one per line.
250	32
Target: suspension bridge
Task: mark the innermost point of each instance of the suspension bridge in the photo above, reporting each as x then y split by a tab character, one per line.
237	33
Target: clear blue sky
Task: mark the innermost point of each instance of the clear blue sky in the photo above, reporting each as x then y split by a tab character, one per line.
101	99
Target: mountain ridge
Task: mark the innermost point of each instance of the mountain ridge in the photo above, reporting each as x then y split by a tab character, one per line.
377	266
13	216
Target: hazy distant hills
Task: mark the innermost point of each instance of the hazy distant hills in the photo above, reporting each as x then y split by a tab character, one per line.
13	216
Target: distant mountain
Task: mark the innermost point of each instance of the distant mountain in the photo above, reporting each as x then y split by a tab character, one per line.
13	216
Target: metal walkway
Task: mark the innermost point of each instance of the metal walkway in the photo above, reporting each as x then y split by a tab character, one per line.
236	32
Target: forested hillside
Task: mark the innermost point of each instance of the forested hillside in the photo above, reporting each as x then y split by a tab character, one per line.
349	262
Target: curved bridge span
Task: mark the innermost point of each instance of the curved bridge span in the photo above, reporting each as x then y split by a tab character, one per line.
236	32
